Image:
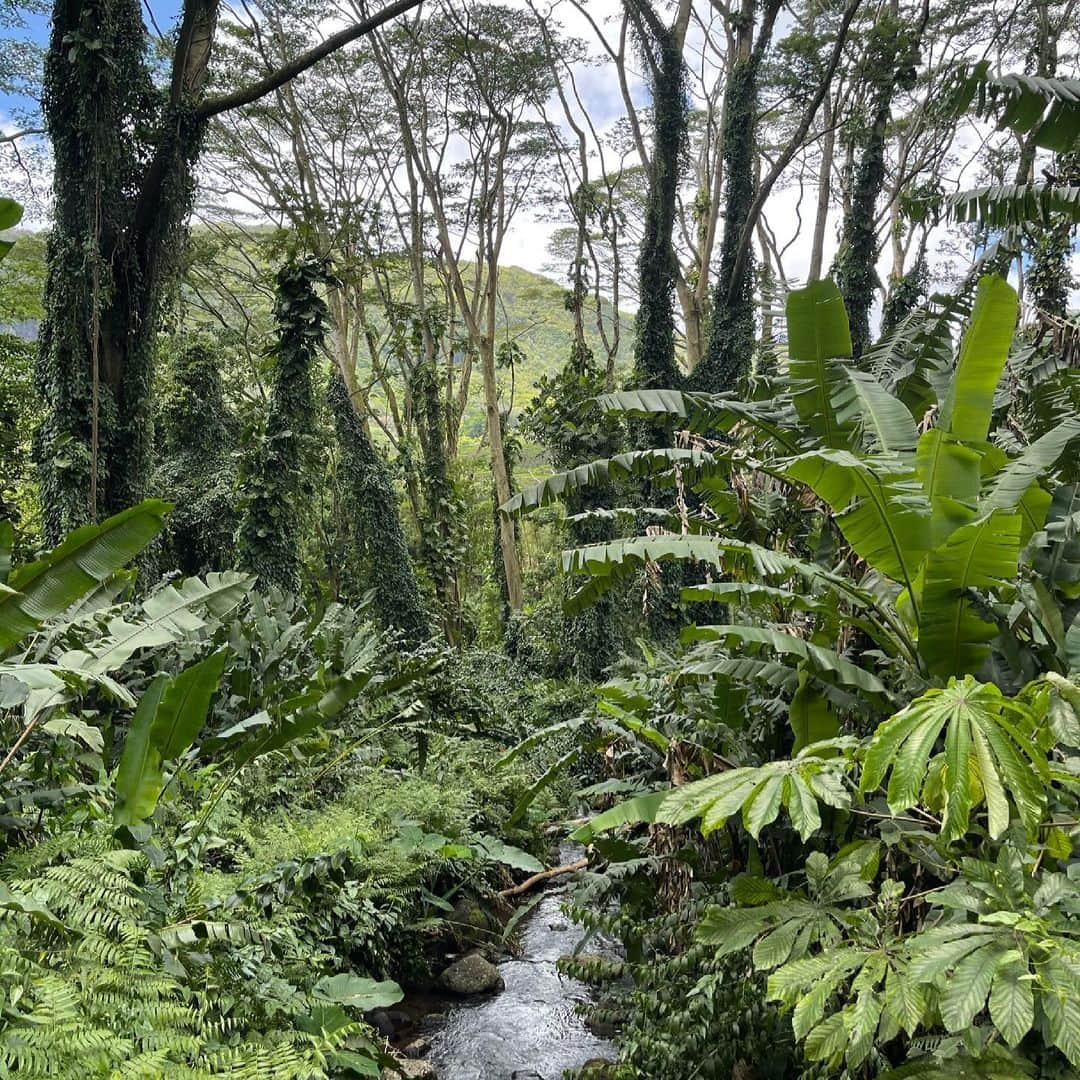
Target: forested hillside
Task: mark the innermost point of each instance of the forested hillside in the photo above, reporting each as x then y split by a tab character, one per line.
540	543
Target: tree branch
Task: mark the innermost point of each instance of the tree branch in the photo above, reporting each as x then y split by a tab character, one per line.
275	79
545	875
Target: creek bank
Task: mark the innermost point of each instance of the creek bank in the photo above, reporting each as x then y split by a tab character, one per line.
530	1029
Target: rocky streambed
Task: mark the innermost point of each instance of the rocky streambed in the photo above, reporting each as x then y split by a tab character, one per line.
514	1019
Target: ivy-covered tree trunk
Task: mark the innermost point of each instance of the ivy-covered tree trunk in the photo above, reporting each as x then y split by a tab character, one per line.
889	66
275	492
124	144
440	533
654	325
196	469
1050	278
123	152
378	540
732	340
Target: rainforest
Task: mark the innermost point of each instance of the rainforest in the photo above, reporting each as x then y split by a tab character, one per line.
540	539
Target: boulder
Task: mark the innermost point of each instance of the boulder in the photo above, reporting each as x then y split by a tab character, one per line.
602	1029
472	974
470	922
380	1020
597	1069
417	1048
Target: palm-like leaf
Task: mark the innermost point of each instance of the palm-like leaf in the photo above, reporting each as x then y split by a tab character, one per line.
49	586
1048	108
989	740
1003	205
595	473
707	412
821	660
759	793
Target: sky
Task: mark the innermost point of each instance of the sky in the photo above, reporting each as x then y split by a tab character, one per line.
527	244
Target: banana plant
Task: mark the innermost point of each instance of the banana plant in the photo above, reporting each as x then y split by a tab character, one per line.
942	514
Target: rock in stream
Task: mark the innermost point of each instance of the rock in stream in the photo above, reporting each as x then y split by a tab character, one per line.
530	1029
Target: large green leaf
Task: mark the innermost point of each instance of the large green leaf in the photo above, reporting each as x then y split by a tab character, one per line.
597	473
953	638
171	614
358	992
818	658
11	213
988	738
818	332
87	557
642	808
170	715
811	717
984	350
950	475
884	422
882	509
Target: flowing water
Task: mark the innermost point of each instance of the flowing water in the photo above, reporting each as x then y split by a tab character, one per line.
530	1029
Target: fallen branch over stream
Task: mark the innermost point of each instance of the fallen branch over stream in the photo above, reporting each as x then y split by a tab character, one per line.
555	871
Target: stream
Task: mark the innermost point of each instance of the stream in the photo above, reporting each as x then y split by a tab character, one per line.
529	1031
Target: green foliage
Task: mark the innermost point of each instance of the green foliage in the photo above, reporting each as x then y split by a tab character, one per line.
917	637
274	493
379	544
196	435
18	416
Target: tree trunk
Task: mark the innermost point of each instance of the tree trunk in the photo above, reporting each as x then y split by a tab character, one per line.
824	189
729	355
515	596
124	154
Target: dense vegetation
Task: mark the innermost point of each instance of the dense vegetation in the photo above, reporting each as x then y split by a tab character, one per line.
346	567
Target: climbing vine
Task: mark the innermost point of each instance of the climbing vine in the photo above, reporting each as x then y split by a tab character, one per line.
122	185
889	66
654	328
275	491
197	471
380	552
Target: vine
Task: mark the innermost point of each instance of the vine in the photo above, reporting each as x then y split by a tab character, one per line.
274	493
654	327
378	541
196	470
890	65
